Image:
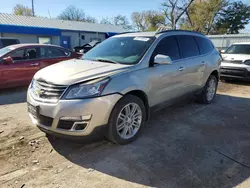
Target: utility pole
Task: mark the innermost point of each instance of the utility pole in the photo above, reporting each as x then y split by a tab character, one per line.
33	11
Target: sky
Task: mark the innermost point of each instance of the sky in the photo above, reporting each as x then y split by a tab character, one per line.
94	8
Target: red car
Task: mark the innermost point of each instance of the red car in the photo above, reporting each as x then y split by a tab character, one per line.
19	63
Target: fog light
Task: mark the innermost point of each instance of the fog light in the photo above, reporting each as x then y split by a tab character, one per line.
79	126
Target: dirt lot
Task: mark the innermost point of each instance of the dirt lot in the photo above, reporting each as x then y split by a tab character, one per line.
187	145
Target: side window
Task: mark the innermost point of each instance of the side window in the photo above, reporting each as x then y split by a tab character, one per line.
31	53
18	55
204	45
168	46
55	52
188	46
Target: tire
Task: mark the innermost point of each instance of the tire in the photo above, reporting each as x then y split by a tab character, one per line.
118	117
204	96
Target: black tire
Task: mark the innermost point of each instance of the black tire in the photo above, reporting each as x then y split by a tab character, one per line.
112	133
202	97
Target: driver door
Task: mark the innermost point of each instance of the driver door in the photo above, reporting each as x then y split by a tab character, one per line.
168	81
21	71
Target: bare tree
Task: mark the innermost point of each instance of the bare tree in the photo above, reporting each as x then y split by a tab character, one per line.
22	10
75	14
140	21
118	20
174	10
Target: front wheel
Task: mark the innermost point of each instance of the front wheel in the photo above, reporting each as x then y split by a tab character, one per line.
126	120
209	91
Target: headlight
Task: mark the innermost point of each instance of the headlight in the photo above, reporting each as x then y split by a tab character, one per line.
247	62
81	51
85	90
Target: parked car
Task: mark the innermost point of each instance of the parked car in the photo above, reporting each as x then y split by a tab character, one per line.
86	47
236	62
8	41
121	81
19	63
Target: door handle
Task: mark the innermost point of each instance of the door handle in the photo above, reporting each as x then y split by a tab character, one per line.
34	64
181	69
203	63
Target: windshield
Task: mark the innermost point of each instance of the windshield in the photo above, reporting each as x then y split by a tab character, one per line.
124	50
5	50
238	49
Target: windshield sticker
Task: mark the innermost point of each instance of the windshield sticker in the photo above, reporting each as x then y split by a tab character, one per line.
142	39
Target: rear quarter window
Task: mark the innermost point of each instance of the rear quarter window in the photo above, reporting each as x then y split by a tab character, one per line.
204	44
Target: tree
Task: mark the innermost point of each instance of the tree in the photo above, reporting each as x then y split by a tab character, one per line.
233	18
147	20
22	10
118	20
174	10
75	14
202	16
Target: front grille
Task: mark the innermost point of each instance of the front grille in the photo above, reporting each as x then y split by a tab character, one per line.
44	120
46	92
233	61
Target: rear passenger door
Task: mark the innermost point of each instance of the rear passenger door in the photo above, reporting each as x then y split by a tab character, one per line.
195	65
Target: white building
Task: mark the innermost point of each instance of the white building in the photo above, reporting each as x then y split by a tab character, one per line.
59	32
224	41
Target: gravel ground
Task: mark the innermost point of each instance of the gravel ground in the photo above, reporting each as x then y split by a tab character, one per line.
187	145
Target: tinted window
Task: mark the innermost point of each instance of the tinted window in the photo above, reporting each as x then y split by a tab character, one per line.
18	55
7	42
24	54
188	46
204	45
168	46
31	53
238	49
50	52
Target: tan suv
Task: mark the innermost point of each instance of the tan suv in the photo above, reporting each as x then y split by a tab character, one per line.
118	83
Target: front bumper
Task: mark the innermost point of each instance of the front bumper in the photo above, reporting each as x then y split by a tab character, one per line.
238	71
94	111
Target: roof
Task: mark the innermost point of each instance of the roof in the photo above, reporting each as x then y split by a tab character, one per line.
10	19
248	43
229	35
31	45
151	34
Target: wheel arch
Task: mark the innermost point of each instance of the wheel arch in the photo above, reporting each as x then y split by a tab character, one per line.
143	96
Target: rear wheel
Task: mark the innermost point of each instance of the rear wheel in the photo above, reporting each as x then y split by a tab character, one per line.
127	120
209	91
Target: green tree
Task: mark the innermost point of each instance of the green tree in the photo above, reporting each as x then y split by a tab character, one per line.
22	10
202	16
75	14
233	18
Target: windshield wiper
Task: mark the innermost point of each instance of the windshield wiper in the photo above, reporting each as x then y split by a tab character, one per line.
106	60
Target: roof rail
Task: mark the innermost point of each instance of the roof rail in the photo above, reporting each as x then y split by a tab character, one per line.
177	30
128	32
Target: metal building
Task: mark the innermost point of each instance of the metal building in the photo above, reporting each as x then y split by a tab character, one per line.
224	41
52	31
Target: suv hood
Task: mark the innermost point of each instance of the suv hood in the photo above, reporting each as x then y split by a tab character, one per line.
73	71
235	57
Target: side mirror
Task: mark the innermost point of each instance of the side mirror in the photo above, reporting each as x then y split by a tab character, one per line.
222	51
7	60
162	59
